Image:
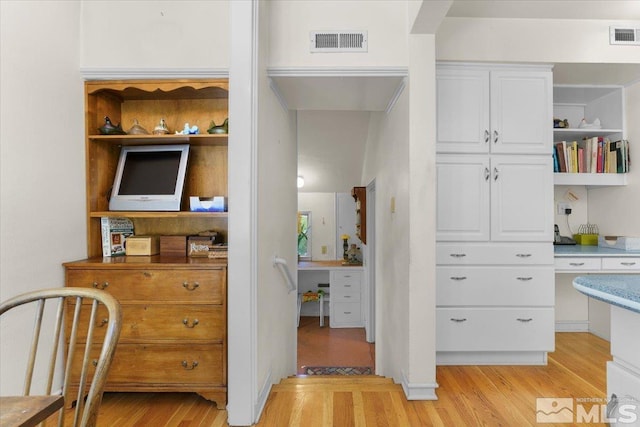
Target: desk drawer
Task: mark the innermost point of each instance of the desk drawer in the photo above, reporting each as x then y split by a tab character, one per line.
346	313
622	263
577	263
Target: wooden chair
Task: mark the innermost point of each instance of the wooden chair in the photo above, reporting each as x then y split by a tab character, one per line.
76	312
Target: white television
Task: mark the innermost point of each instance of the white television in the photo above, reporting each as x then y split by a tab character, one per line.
149	178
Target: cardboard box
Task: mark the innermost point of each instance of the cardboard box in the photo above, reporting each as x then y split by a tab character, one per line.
173	245
143	245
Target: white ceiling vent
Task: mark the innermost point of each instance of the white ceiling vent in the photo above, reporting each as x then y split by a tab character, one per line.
620	35
338	41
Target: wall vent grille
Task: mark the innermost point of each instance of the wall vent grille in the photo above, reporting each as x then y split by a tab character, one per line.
339	41
620	35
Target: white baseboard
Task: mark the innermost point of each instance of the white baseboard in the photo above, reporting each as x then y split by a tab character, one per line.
419	391
572	326
263	396
491	358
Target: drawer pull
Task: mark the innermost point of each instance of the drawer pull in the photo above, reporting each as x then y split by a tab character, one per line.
527	320
147	274
186	366
524	279
347	286
458	255
576	264
628	264
193	324
523	255
347	276
458	320
100	286
94	362
103	322
347	312
191	287
458	278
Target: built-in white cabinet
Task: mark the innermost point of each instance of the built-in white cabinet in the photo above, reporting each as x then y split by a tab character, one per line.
494	226
346	310
499	198
497	110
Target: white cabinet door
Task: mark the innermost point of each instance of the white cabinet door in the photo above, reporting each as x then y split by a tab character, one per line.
521	198
462	98
521	112
462	201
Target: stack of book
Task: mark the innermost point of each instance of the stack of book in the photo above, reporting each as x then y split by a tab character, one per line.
591	155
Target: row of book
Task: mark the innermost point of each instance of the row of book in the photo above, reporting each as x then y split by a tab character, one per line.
591	155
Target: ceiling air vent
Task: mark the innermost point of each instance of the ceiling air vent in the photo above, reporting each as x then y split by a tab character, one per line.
338	41
619	35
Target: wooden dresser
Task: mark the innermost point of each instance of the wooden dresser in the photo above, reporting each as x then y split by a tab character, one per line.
174	334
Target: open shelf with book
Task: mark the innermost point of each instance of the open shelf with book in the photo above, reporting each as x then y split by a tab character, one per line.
591	150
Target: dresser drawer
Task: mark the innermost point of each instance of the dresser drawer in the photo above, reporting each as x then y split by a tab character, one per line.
177	286
495	329
157	322
494	253
345	279
622	263
163	364
346	313
512	286
577	263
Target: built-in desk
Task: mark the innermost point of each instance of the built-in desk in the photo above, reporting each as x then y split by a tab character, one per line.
574	311
345	285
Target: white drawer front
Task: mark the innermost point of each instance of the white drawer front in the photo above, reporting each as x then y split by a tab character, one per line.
496	286
340	278
348	295
622	263
346	313
577	263
507	254
496	329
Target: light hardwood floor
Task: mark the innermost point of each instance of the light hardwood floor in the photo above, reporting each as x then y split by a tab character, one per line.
467	396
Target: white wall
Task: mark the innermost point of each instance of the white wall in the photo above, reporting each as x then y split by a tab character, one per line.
387	161
42	196
530	40
155	34
323	223
385	21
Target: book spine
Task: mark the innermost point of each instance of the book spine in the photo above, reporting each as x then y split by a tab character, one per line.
106	236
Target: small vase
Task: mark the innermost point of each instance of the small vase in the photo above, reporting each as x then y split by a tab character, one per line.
345	248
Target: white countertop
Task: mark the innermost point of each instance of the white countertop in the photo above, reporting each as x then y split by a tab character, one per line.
622	290
591	251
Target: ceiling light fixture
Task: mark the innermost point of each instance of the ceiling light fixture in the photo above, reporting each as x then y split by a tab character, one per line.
300	182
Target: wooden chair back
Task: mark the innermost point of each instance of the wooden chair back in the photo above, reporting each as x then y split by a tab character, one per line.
68	336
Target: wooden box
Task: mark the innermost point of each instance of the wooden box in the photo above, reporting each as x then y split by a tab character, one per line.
142	245
173	245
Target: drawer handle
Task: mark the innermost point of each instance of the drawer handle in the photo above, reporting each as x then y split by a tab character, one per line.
193	324
189	287
527	320
458	255
347	286
186	366
576	264
103	322
628	264
524	279
100	286
523	255
347	275
458	278
94	362
458	320
487	136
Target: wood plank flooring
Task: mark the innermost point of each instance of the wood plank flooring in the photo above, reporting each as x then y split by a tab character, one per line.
468	396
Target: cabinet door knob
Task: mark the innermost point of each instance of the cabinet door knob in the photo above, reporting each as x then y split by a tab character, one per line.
495	136
524	279
102	286
496	173
186	366
487	135
186	323
487	174
458	320
189	287
521	320
458	278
